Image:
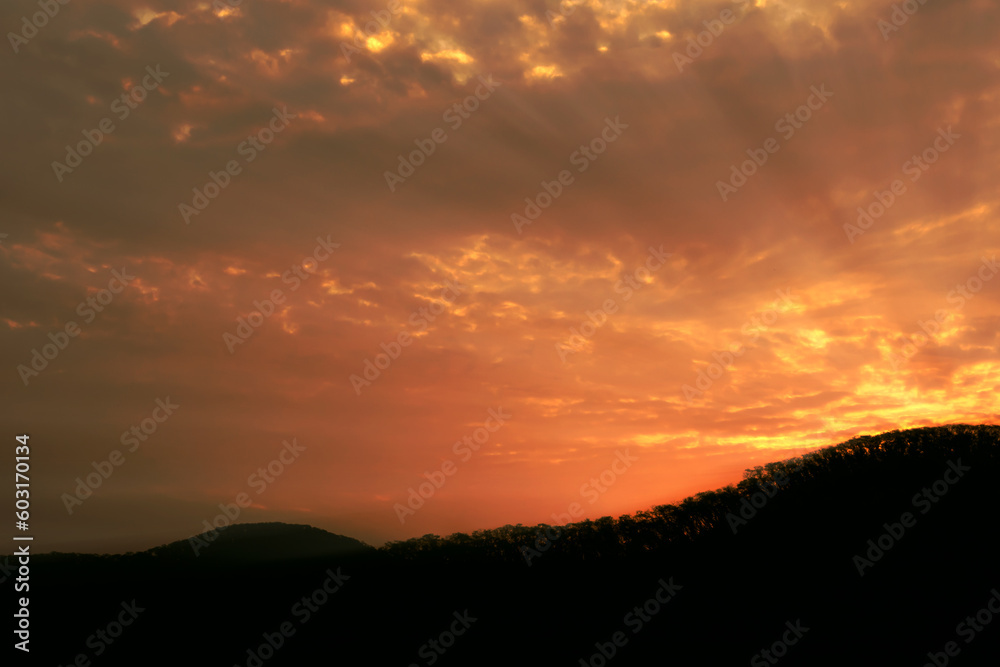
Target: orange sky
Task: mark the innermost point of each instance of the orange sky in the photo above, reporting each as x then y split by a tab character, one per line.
629	134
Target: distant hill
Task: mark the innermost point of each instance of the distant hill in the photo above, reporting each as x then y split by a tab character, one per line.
879	551
261	542
240	543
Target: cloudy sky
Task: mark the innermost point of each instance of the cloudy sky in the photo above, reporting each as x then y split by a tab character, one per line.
629	228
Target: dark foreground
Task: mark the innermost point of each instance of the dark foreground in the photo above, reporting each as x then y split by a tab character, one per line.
798	579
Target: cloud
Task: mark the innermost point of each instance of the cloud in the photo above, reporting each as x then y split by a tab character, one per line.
822	372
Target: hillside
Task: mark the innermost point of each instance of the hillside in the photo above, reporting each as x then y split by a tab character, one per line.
871	552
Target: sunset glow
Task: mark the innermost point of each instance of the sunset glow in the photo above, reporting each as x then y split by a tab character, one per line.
585	251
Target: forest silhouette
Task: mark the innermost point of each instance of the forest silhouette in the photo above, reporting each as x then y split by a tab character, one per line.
871	552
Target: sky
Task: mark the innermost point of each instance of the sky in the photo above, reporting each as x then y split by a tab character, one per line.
445	266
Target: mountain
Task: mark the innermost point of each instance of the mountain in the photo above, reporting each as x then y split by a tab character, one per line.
879	551
262	542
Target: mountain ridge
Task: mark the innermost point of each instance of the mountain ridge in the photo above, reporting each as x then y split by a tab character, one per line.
873	550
